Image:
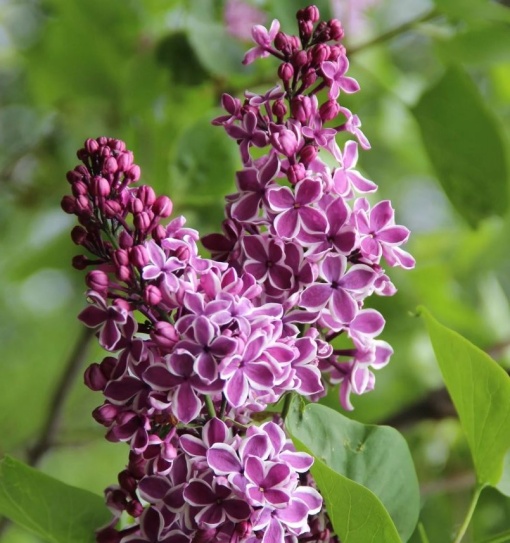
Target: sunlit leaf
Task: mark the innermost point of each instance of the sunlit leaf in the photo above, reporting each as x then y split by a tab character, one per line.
56	512
373	468
480	390
465	145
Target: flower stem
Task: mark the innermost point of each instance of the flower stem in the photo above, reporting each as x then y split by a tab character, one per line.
469	514
286	404
210	407
502	537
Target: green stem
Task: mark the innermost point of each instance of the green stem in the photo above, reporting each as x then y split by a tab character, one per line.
210	407
503	537
394	32
286	404
469	514
423	534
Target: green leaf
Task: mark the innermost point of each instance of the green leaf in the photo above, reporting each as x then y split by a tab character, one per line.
480	390
465	145
349	454
477	46
56	512
474	11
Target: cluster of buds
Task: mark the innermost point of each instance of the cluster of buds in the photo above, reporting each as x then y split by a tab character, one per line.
199	348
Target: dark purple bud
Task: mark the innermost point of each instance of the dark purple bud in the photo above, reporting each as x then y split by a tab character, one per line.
83	205
105	152
164	335
125	240
79	188
146	195
133	174
102	140
82	155
301	108
279	109
105	414
142	221
305	29
108	366
68	204
127	481
97	280
309	78
152	295
121	257
159	233
300	59
80	262
135	205
79	235
116	498
320	53
135	508
329	110
335	52
112	208
312	13
99	186
91	146
336	31
72	176
110	165
123	274
116	145
138	256
308	153
296	172
94	378
282	43
125	160
163	206
286	71
243	529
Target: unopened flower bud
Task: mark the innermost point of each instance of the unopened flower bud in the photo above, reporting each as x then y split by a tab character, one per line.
116	145
82	154
301	108
111	208
79	188
336	51
146	195
123	274
296	172
329	110
108	365
281	42
286	71
320	53
121	257
134	508
133	174
97	280
308	153
142	221
309	78
105	414
135	205
300	59
127	481
164	335
80	262
305	29
159	233
68	204
125	240
79	235
163	206
152	295
138	256
312	13
125	160
99	186
110	165
91	146
83	205
94	378
336	31
108	535
279	109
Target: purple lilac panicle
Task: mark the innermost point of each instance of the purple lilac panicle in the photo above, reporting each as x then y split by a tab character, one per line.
197	347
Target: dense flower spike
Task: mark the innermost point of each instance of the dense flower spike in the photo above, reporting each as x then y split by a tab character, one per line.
199	346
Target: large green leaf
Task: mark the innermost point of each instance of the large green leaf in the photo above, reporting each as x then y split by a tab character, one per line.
56	512
474	11
372	466
465	145
480	390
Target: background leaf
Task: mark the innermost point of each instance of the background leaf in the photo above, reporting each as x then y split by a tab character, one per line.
465	145
57	512
376	457
480	390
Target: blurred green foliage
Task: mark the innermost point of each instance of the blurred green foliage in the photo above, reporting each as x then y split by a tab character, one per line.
152	73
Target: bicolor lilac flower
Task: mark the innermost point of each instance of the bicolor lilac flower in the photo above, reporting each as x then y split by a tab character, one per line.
295	209
162	266
346	178
247	134
340	290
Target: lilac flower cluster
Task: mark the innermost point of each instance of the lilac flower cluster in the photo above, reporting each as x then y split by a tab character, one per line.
299	222
199	348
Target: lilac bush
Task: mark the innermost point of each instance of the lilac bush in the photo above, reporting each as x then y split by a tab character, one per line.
200	348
